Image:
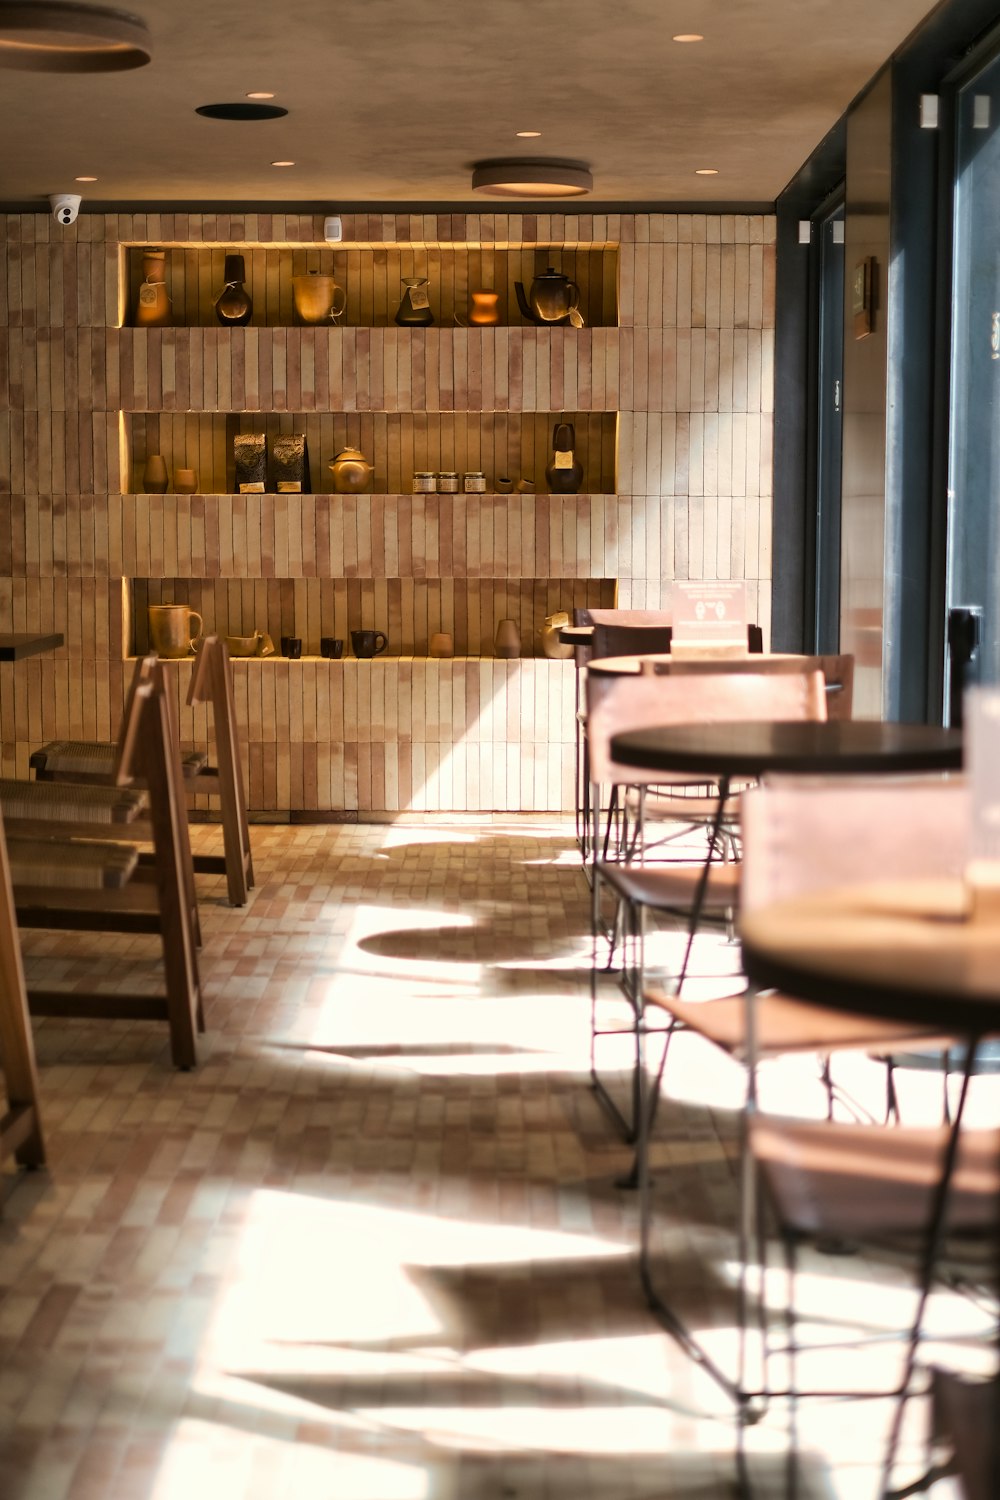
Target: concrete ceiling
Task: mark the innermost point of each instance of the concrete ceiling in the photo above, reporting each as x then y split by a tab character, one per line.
389	102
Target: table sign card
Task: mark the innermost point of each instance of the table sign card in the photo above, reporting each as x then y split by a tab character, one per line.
982	763
709	619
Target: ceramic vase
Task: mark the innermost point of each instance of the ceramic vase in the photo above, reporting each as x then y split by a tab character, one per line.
185	481
152	308
484	311
414	311
508	640
154	475
564	475
233	305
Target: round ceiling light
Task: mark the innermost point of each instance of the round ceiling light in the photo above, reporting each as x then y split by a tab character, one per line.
61	37
532	177
241	111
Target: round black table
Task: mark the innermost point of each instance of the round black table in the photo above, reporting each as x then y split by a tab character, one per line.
902	949
839	748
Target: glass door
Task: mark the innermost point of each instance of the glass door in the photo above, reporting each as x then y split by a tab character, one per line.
829	424
973	563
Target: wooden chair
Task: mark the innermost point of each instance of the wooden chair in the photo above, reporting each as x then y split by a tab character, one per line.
20	1125
65	877
87	761
212	683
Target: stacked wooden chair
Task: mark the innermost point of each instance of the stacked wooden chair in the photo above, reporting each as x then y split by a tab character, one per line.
87	761
75	863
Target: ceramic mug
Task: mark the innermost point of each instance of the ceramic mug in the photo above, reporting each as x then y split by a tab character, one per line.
441	644
331	646
366	642
291	646
170	630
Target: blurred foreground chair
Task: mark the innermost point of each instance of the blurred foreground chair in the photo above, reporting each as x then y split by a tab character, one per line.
73	867
825	1179
87	761
20	1124
618	704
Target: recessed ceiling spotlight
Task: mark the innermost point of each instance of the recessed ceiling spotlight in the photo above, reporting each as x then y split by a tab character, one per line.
84	179
260	94
532	177
526	135
282	164
241	111
706	171
688	36
68	37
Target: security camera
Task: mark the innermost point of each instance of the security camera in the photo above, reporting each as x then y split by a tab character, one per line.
65	207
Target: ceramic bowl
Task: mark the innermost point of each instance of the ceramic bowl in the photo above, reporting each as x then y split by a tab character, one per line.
242	645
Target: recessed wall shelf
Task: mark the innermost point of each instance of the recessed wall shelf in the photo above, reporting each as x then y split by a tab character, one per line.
513	444
372	280
408	610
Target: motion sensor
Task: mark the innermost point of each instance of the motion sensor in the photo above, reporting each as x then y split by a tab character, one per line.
65	207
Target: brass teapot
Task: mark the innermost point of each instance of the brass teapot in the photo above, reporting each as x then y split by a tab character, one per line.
552	298
351	471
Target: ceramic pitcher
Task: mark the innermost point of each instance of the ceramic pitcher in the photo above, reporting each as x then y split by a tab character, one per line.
318	298
170	630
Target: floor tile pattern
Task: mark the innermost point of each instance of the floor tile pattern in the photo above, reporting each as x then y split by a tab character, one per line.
372	1247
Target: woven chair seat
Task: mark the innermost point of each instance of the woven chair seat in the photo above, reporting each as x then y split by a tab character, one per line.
71	866
94	758
64	802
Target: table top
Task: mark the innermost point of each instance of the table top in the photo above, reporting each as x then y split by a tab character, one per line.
897	949
837	747
576	635
15	647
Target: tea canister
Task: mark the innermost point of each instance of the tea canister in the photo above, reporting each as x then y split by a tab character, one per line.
447	482
425	482
474	482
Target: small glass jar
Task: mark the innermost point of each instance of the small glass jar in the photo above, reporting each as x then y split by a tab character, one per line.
447	482
474	482
424	482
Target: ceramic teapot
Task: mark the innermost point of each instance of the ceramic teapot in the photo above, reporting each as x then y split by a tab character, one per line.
551	298
351	471
552	646
316	297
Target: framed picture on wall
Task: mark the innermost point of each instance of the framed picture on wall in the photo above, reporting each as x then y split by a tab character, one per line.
863	296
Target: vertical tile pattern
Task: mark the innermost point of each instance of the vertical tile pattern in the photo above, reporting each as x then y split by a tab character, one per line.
669	386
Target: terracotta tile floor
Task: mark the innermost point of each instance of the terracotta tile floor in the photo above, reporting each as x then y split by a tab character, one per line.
372	1248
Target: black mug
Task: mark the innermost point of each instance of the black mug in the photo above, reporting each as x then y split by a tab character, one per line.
366	642
331	646
291	646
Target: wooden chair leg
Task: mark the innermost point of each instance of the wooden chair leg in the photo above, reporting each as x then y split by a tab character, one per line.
20	1127
170	827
